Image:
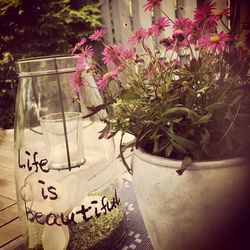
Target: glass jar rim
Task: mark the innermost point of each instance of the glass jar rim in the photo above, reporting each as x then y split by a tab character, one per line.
46	65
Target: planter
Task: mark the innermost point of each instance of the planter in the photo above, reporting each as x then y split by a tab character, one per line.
207	208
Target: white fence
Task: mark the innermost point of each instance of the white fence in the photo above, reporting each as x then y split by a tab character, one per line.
121	17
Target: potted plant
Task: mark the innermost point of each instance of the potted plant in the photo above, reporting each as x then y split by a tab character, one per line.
186	102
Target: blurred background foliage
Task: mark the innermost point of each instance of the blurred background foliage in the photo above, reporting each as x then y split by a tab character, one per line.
31	28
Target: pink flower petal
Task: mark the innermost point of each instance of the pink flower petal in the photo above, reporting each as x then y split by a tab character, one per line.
151	4
98	34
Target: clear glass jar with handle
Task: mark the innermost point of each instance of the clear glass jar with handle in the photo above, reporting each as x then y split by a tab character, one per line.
67	181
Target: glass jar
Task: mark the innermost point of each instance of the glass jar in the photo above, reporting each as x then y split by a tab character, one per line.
67	181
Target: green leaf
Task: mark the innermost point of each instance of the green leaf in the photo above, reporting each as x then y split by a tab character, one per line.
177	112
179	148
177	120
202	119
184	142
104	132
143	137
169	149
184	165
96	109
205	139
202	90
5	5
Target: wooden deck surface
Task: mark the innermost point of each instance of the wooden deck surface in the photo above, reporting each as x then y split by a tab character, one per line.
10	234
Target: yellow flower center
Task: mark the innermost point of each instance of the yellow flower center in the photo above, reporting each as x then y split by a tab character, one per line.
214	39
218	12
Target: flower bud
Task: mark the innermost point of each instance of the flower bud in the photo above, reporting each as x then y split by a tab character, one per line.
166	41
178	35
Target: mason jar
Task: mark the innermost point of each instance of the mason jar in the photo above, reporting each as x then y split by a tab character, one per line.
68	183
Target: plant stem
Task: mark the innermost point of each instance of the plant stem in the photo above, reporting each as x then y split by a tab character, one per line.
224	24
231	124
166	15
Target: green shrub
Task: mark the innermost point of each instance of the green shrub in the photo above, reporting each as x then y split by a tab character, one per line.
38	28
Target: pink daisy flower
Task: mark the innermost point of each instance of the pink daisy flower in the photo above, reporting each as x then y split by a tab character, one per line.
128	54
103	82
77	78
87	52
112	55
82	42
178	35
159	26
78	45
205	18
184	24
167	41
150	31
138	36
98	34
151	4
169	44
195	35
215	42
112	74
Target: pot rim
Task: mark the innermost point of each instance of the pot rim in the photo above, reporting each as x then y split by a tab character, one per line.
196	165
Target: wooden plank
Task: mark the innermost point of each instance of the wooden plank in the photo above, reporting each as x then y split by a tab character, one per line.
10	133
10	232
6	161
7	189
8	152
140	17
8	214
7	174
189	7
8	140
185	8
121	19
16	244
7	145
107	21
5	202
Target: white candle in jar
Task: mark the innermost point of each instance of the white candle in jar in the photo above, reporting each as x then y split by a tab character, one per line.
58	154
